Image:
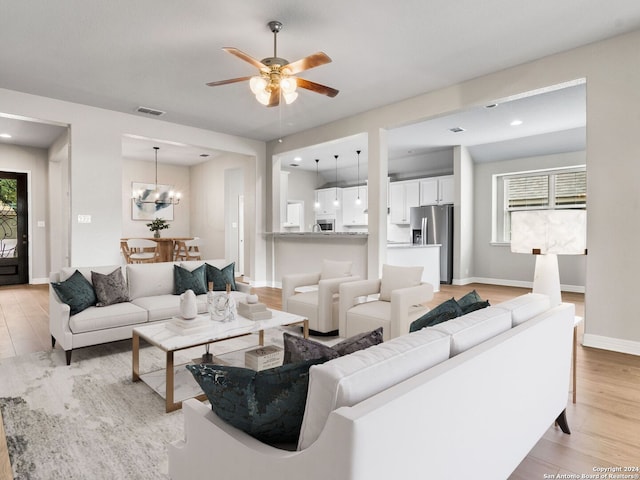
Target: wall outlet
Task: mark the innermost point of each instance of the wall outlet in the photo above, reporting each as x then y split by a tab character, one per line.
40	223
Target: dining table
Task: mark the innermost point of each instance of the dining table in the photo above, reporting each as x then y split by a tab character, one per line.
166	246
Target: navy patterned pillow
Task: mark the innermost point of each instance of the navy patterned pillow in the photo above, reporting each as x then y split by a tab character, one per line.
268	405
109	288
443	312
75	291
184	280
220	278
298	349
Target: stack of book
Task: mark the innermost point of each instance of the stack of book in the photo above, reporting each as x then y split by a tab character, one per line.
186	327
265	357
253	311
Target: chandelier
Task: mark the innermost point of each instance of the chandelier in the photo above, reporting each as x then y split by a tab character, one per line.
156	196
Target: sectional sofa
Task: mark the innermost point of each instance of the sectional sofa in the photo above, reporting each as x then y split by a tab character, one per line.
467	398
150	288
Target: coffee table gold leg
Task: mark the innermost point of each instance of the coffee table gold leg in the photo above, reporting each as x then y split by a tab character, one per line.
169	382
261	338
305	328
135	348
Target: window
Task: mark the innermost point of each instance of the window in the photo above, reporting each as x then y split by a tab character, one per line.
536	190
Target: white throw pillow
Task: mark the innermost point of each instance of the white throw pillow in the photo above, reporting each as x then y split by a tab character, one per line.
394	277
335	269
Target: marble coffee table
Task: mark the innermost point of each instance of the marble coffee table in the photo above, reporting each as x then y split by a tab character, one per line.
168	340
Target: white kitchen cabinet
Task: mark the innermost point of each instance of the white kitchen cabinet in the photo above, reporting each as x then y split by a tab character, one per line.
353	214
325	199
437	190
294	215
403	196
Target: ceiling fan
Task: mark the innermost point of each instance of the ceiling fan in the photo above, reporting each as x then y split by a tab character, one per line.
276	75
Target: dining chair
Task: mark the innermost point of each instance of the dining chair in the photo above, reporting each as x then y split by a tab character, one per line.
188	249
142	250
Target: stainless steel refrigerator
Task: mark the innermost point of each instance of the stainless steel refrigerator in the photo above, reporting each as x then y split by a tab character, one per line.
434	224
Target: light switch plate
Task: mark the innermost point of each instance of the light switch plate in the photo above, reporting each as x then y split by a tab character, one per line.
84	218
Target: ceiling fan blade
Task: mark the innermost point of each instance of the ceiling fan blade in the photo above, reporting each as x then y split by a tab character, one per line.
225	82
315	60
274	99
316	87
246	57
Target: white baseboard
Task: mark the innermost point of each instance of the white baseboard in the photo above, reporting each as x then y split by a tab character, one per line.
39	281
513	283
613	344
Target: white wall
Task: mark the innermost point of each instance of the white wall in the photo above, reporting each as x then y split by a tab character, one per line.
96	167
208	209
495	263
464	217
612	74
144	172
58	204
34	162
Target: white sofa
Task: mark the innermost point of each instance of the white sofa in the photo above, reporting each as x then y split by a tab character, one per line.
150	286
465	399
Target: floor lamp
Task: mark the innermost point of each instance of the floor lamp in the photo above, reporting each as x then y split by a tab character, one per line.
547	234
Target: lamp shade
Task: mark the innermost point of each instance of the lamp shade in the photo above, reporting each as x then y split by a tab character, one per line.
562	232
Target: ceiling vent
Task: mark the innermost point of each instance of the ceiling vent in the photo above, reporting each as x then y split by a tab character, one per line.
150	111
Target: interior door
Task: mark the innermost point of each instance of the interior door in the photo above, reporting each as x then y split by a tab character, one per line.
14	260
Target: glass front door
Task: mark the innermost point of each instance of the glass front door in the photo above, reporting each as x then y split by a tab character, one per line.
13	228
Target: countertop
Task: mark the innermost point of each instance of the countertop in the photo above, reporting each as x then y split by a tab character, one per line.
411	245
320	234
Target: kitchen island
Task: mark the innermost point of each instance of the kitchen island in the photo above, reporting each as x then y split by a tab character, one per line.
303	252
427	256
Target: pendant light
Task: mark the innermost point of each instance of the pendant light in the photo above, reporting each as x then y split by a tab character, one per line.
358	201
155	196
317	204
336	203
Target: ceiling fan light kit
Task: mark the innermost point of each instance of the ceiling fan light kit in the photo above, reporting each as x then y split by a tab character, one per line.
277	75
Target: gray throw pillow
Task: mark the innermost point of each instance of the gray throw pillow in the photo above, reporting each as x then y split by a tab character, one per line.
184	280
109	288
468	299
298	349
267	405
75	291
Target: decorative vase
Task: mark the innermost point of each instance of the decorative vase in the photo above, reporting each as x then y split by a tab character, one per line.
156	234
188	305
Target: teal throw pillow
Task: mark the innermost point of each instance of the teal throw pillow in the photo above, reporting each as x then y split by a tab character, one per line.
472	307
268	405
471	302
443	312
220	278
75	291
184	280
468	299
298	349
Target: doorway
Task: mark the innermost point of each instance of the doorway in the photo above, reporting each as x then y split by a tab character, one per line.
14	259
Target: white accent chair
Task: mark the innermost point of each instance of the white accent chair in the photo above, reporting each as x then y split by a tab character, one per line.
392	302
315	295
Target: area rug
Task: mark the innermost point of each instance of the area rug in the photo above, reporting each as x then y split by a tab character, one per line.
89	420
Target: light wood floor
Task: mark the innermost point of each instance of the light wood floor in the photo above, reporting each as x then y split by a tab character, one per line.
605	421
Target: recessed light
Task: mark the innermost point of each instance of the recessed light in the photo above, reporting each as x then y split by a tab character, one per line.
491	105
5	135
297	159
456	129
204	155
515	123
